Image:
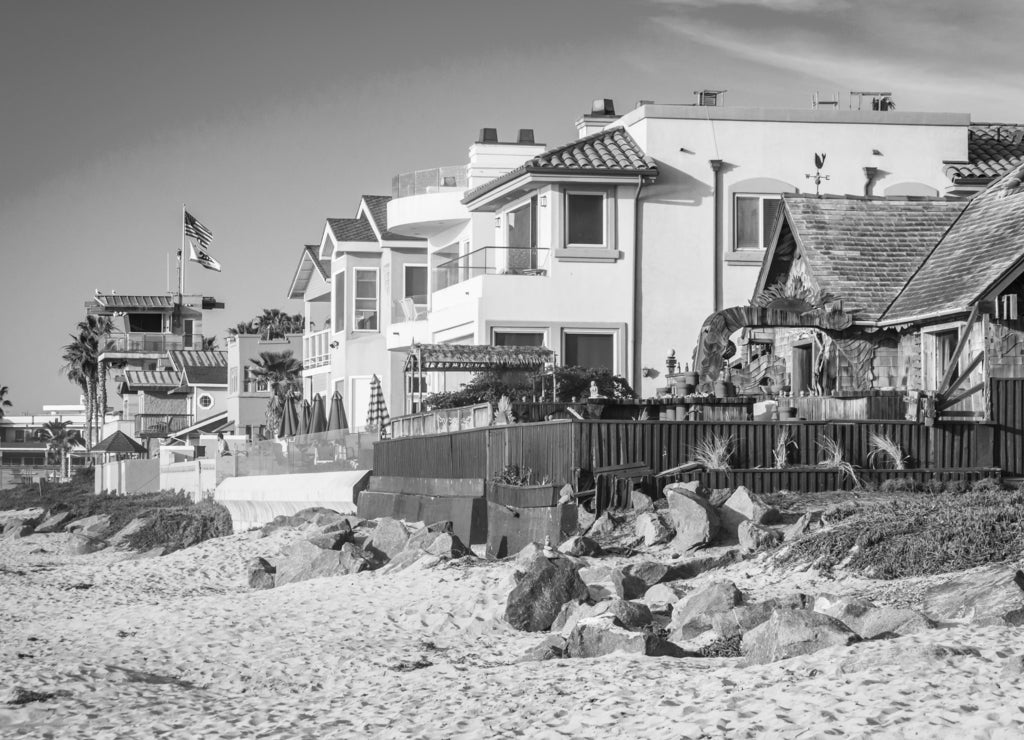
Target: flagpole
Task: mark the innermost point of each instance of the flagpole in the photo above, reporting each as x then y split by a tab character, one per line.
181	260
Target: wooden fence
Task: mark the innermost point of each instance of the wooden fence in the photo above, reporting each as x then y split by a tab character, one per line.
1007	414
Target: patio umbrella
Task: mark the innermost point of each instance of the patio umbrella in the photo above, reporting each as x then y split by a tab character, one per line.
318	417
337	420
305	414
377	413
289	419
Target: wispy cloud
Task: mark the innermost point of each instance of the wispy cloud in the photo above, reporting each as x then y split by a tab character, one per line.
922	49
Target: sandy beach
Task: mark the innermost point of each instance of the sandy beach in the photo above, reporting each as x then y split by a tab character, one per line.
179	646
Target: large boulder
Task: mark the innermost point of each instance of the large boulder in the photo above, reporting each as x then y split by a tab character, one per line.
81	544
330	541
605	524
632	615
551	647
305	560
422	537
662	597
652	529
605	582
692	487
991	594
446	546
742	506
544	587
54	522
799	528
260	574
388	538
693	519
791	632
16	528
649	571
754	537
640	501
580	546
870	621
570	613
741	619
597	636
317	516
97	526
693	567
694	614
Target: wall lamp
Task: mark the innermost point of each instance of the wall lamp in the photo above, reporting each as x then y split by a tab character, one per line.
334	344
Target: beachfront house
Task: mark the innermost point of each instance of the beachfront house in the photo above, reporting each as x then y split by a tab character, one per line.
247	397
912	306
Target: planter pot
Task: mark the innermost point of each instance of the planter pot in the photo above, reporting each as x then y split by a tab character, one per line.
691	379
724	389
788	412
522	497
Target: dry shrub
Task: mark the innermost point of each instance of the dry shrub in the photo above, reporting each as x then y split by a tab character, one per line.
714	452
920	535
175	528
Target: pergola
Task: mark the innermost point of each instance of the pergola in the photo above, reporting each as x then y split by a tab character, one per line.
444	358
121	446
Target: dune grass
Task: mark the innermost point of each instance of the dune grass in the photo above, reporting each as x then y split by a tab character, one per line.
921	533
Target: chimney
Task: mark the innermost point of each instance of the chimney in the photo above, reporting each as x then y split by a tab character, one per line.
525	136
488	136
602	113
490	158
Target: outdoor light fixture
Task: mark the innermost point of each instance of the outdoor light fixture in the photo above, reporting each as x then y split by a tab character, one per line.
334	344
543	200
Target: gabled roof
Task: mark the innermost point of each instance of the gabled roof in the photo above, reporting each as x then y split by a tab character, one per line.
309	263
610	152
980	251
993	149
862	250
466	357
377	207
351	230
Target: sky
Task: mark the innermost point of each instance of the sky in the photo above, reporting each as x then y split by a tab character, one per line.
267	118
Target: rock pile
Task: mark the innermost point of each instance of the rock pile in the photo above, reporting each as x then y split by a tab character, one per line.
335	544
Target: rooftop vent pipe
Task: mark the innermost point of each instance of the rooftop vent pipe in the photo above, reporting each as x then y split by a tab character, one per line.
525	136
488	136
602	107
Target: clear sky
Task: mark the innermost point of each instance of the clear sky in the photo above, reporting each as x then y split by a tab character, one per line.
266	118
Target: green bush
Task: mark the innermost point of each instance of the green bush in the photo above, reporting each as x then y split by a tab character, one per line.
921	534
572	382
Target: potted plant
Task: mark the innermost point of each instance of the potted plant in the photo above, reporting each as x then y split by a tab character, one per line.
690	380
517	486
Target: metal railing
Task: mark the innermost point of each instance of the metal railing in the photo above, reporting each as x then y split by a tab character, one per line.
529	261
151	342
316	349
420	182
160	425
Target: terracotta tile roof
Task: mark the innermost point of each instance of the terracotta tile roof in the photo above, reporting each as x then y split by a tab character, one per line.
377	205
182	358
981	248
863	250
465	357
352	230
135	301
993	149
611	152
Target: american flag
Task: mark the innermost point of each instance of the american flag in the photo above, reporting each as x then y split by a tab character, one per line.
198	232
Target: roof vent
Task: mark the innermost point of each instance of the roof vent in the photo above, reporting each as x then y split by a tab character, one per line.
602	107
488	136
525	136
710	98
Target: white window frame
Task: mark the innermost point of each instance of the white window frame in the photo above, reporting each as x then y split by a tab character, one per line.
355	291
405	281
762	237
605	241
613	332
520	330
338	283
199	401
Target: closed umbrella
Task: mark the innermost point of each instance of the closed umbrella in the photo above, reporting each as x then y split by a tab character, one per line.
318	417
305	414
377	414
289	419
337	420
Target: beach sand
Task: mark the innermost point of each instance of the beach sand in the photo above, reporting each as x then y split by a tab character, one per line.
178	646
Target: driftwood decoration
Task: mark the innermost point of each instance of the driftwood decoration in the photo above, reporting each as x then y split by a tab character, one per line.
859	353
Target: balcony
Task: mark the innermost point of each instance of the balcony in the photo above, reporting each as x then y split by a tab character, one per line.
160	425
316	349
426	202
145	343
522	261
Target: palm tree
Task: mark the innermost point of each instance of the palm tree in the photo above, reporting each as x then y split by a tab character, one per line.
210	343
60	439
242	327
282	374
80	367
98	328
4	403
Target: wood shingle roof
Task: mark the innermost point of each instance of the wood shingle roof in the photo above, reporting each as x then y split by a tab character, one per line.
352	230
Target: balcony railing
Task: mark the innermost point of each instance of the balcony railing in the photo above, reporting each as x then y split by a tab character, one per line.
160	425
151	342
420	182
316	351
491	261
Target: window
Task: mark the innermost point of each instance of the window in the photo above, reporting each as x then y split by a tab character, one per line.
365	308
146	322
205	401
945	345
339	301
19	435
754	217
589	349
521	237
518	338
418	384
416	284
584	220
233	380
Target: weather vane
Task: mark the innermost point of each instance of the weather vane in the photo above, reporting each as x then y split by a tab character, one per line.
819	162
